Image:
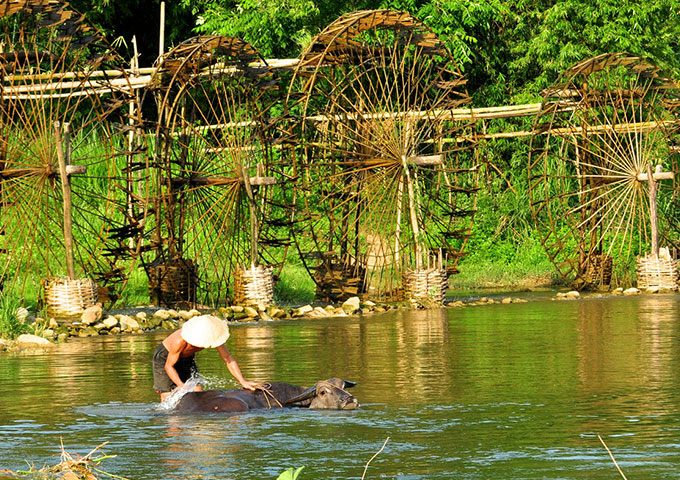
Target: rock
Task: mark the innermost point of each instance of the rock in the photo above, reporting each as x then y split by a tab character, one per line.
365	310
369	303
194	313
572	294
351	305
617	291
653	289
99	327
491	301
128	323
520	300
340	312
173	313
251	312
29	339
185	315
506	300
62	336
132	324
237	308
457	303
168	325
631	291
162	314
53	323
110	322
48	333
141	316
115	330
319	312
276	312
21	314
302	311
91	314
240	316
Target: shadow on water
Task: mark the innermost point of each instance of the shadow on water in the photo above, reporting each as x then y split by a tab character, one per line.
517	391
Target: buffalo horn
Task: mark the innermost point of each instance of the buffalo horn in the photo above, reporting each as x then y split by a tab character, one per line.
309	393
349	384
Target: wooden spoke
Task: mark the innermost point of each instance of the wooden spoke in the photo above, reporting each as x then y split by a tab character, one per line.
376	195
49	115
588	166
213	187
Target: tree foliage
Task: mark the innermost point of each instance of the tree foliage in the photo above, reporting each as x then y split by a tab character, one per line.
510	50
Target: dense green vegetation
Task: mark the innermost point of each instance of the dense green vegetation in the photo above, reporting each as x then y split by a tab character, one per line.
509	50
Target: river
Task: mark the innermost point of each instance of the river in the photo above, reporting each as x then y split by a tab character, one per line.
511	391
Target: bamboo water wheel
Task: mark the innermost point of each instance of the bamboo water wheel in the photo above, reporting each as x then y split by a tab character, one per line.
385	181
214	200
64	149
603	138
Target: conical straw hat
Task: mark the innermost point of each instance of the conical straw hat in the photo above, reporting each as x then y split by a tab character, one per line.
205	331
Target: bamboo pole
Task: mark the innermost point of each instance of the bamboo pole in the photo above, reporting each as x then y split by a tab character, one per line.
252	207
134	64
653	214
161	34
63	155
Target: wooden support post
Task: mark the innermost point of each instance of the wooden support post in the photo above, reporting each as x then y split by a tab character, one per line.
397	236
134	65
63	157
414	215
408	134
161	35
254	230
653	212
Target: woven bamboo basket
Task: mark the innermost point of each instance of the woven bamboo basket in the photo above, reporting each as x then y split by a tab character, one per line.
172	282
254	286
66	298
598	270
657	271
427	285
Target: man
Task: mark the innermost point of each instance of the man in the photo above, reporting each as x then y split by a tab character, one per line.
173	361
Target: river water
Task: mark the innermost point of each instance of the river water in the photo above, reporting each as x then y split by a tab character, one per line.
518	391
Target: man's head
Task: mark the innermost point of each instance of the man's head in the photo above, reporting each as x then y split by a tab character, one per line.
205	331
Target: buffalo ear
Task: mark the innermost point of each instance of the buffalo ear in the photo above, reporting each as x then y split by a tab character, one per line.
307	394
349	384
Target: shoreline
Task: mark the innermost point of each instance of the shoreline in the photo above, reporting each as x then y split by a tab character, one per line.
146	319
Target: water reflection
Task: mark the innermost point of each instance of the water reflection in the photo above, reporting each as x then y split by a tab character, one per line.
511	391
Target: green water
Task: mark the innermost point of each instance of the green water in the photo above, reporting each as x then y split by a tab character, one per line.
517	391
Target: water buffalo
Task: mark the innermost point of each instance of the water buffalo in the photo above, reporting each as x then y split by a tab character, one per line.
325	394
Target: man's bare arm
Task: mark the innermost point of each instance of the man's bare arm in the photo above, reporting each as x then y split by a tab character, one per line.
173	356
234	369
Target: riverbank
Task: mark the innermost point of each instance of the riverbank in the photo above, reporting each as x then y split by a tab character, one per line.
43	333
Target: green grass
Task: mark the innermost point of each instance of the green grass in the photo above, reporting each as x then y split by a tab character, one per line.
295	286
10	324
136	292
528	268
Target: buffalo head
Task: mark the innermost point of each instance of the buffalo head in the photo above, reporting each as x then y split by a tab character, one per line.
328	394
